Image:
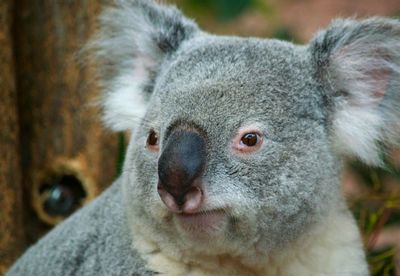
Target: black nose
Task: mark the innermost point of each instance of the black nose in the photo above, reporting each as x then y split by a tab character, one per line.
180	165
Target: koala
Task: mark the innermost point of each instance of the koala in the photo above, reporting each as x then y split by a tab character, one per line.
237	147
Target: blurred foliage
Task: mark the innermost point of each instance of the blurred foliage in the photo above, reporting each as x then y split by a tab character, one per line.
284	33
381	262
223	10
376	209
222	16
121	152
230	13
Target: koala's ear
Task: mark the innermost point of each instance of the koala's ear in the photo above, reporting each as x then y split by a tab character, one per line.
134	38
358	66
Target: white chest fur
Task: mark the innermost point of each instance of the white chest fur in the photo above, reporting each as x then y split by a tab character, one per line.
333	247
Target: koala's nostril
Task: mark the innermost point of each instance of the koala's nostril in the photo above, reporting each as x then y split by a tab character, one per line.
168	200
193	199
188	202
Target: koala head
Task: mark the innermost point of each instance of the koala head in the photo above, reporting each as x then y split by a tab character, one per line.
236	142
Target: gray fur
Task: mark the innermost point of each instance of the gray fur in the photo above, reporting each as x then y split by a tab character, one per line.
299	97
358	63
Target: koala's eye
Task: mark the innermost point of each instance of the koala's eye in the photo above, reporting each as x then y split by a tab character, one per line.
152	141
247	141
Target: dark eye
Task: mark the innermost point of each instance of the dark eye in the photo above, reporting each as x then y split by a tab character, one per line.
249	139
152	141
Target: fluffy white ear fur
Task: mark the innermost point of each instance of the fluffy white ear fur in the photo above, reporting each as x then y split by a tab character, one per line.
134	38
360	63
126	105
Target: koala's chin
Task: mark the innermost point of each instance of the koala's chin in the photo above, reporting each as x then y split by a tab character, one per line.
201	225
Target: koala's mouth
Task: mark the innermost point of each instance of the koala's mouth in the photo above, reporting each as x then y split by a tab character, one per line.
202	222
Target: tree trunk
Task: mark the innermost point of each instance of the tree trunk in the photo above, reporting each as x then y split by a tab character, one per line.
11	227
64	148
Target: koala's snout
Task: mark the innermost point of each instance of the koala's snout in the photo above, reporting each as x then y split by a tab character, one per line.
180	168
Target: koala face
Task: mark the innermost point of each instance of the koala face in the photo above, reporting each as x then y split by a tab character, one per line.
264	191
237	142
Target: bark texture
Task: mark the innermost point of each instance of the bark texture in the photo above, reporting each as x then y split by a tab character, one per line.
59	127
11	226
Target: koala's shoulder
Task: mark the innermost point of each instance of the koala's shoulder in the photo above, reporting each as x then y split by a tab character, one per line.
94	241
